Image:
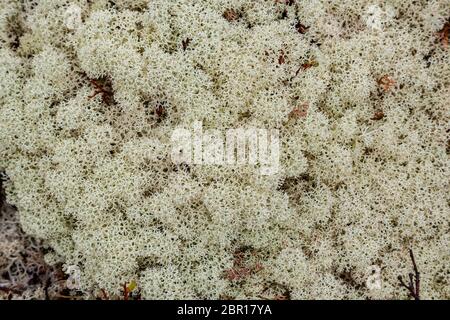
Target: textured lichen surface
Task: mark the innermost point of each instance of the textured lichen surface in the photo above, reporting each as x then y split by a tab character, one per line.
359	91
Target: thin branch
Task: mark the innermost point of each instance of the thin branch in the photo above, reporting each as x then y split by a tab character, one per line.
414	279
417	273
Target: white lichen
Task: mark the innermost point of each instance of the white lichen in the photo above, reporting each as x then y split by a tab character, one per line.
364	168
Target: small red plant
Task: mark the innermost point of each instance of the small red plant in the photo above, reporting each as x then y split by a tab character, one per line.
283	295
104	294
240	270
126	292
231	15
103	87
160	112
444	33
378	115
305	66
386	82
309	64
300	112
301	28
127	289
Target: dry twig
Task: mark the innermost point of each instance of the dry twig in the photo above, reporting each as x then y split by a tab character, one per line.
414	279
